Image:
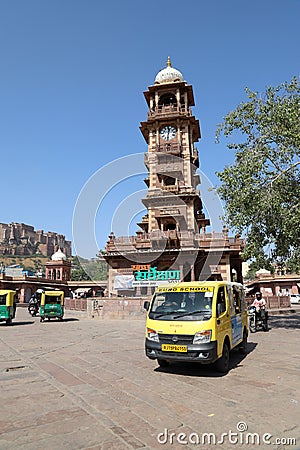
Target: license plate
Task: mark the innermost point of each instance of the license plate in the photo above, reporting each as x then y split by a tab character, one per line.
173	348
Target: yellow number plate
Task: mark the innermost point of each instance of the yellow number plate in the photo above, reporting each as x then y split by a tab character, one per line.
173	348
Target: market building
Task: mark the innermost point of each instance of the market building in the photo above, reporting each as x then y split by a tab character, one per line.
173	243
276	288
58	271
58	276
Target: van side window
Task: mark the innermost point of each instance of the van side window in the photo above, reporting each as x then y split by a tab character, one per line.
237	300
230	298
242	297
221	303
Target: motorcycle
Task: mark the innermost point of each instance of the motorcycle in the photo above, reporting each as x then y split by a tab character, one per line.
33	307
257	319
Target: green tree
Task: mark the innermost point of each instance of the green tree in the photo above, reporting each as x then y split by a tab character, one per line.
261	189
79	275
85	269
77	270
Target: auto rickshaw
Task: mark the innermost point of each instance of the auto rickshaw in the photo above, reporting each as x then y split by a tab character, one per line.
7	306
52	305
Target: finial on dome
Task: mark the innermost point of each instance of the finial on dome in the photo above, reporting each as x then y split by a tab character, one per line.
168	74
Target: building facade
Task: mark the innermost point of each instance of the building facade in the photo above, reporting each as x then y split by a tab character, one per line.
59	268
274	285
173	243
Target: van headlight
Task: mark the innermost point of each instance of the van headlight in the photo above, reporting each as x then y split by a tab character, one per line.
202	337
152	335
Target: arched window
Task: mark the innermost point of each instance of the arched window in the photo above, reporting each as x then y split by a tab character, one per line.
167	100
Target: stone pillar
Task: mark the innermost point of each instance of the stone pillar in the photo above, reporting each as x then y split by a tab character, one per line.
192	272
22	295
181	272
149	291
138	292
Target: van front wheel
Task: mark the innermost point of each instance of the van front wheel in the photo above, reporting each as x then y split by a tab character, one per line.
223	362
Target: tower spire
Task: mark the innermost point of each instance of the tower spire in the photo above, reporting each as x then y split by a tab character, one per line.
169	62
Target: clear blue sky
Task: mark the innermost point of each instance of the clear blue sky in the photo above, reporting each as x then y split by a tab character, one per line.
72	78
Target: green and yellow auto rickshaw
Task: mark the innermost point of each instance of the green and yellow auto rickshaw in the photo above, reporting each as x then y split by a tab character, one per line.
7	306
52	305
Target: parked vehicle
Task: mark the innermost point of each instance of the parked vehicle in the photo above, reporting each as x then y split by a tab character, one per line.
52	305
196	322
7	306
295	299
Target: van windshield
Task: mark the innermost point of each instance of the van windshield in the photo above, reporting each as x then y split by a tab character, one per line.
182	305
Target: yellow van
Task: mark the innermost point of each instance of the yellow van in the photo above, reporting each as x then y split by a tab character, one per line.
196	322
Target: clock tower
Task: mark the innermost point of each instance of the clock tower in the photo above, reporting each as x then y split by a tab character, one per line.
173	242
171	132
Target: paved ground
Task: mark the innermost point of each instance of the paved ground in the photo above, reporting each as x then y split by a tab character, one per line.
81	384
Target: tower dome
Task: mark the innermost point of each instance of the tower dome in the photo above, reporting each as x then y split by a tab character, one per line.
58	256
168	74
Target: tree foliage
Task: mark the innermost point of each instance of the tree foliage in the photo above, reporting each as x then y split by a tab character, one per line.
85	269
261	189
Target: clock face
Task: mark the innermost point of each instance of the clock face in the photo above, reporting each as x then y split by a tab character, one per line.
168	132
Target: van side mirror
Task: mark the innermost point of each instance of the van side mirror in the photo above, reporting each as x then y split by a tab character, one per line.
146	305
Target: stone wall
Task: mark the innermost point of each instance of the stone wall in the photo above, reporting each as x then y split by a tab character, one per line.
273	302
133	308
108	308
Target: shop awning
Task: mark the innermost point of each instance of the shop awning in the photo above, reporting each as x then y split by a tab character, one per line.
82	290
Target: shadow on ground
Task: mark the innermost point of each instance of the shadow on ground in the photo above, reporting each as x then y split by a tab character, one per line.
207	371
55	320
15	323
289	321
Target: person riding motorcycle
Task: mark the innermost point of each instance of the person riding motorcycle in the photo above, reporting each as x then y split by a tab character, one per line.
260	308
33	305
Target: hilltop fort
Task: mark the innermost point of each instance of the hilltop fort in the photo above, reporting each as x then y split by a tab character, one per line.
19	239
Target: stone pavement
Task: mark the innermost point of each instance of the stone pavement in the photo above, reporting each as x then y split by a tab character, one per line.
84	384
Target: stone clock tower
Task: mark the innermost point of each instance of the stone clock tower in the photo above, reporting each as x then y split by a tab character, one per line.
173	202
173	235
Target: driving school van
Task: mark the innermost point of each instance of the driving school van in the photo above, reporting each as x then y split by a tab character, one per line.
196	322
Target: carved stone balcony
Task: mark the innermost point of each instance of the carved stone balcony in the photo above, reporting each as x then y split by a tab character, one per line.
171	188
169	148
158	239
169	111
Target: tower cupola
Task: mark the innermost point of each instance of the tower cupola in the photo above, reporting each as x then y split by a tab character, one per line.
168	74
